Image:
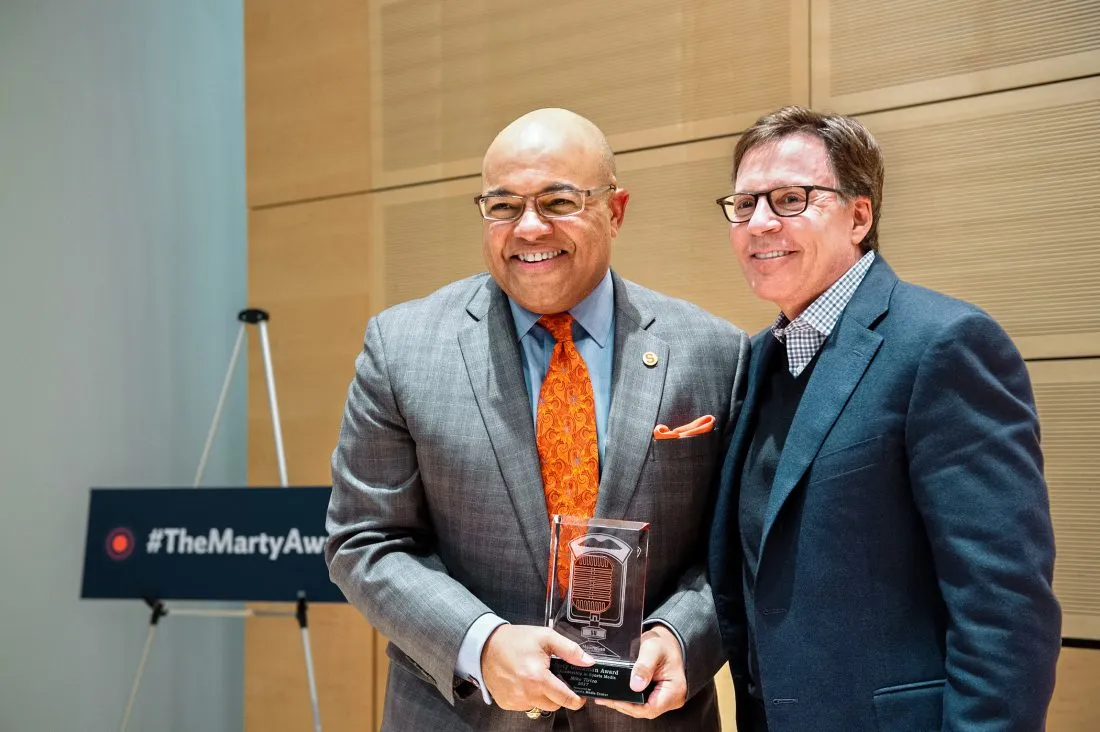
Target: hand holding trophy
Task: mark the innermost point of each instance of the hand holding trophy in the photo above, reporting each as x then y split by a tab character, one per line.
595	596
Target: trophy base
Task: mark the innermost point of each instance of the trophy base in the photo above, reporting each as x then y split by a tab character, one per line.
604	680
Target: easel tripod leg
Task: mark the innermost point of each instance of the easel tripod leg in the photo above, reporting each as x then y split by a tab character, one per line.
221	404
158	612
270	374
303	623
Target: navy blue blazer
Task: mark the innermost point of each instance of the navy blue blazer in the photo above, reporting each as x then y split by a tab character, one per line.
907	553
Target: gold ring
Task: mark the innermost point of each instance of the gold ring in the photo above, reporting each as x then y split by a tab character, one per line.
533	713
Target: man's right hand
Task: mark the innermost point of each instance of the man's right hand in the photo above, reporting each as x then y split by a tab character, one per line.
515	663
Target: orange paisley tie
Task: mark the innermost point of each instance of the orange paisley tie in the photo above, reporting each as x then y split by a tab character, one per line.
566	433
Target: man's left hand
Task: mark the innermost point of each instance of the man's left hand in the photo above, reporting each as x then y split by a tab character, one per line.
660	661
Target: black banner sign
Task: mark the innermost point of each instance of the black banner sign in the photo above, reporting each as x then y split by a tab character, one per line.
251	544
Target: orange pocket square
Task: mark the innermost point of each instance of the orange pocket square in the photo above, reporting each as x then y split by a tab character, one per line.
699	426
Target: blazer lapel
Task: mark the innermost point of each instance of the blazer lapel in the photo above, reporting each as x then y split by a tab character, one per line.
635	398
762	348
491	352
725	534
841	364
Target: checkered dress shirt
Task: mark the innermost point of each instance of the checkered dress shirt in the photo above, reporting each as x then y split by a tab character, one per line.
805	334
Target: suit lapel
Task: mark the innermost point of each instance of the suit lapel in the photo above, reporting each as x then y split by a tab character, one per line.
635	399
762	348
491	352
725	533
843	360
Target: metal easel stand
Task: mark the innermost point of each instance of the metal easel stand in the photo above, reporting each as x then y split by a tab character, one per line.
257	317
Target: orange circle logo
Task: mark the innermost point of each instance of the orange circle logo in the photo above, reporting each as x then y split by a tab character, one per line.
120	543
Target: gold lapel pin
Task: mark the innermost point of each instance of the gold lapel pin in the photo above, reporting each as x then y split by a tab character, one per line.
649	358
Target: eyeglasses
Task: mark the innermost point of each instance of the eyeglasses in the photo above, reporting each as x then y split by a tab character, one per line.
550	205
784	201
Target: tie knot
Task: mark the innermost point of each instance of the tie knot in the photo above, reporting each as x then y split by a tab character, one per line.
560	326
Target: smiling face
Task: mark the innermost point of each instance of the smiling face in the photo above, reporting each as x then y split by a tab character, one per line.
548	265
791	260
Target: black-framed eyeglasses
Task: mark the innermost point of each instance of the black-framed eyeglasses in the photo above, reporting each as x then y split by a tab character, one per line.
784	201
550	205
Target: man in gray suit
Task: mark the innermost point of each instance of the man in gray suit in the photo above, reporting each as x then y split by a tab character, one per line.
439	529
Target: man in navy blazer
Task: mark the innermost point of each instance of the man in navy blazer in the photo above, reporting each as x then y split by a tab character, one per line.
881	554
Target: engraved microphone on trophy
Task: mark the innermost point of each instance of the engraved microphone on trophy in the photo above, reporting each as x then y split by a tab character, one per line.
596	588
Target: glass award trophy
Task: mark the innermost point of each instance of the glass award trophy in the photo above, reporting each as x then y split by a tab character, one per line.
595	596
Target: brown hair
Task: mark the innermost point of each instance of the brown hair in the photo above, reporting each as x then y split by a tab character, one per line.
854	155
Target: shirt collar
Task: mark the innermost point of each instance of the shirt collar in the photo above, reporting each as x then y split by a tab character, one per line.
593	313
823	313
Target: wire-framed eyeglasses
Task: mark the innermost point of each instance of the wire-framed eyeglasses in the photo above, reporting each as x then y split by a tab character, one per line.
551	204
784	201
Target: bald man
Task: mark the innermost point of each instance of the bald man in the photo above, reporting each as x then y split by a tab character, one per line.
438	522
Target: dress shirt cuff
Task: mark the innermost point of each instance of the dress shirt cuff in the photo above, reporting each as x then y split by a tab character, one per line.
469	653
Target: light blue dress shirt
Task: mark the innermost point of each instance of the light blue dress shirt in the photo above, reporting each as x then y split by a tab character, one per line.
594	337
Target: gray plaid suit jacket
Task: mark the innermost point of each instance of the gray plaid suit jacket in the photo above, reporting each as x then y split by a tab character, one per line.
437	512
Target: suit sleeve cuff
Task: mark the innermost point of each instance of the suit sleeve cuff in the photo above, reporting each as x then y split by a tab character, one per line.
468	665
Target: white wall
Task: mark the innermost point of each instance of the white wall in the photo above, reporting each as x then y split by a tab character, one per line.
122	267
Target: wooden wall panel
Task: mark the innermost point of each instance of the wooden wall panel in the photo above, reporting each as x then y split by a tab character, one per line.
446	76
381	675
276	690
425	237
727	707
1067	393
309	267
880	54
307	99
1074	707
988	199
